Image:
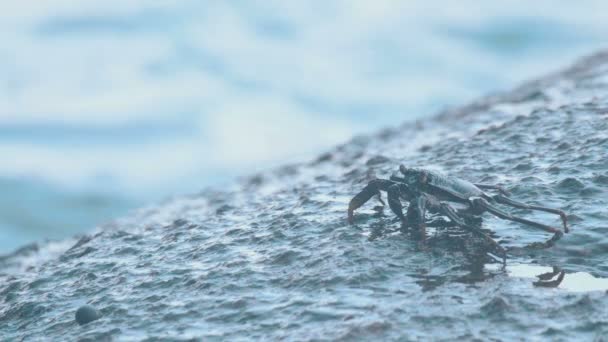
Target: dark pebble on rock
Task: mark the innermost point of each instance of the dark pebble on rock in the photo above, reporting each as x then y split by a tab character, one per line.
86	314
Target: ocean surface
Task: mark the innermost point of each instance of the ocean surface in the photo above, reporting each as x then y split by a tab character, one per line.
110	105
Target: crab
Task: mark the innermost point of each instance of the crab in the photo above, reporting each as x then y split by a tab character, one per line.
432	191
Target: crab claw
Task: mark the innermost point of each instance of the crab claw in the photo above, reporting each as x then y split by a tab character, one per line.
371	189
358	201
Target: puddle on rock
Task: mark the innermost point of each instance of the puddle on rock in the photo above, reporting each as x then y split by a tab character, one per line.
575	282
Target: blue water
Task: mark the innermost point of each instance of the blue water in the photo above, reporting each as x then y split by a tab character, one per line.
109	106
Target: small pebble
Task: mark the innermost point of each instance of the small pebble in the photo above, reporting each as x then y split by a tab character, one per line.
86	314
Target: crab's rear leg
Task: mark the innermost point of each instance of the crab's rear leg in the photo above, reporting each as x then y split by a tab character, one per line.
450	212
507	201
550	283
549	275
481	203
416	216
493	187
372	189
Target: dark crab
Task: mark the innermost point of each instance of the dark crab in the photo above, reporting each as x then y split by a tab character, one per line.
429	190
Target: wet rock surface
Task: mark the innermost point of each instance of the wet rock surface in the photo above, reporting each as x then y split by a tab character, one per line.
274	258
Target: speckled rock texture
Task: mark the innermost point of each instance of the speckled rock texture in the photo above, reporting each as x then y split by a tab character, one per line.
273	258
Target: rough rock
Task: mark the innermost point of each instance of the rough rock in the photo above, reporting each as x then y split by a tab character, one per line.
275	258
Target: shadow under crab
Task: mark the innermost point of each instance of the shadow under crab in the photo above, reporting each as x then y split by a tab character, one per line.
431	191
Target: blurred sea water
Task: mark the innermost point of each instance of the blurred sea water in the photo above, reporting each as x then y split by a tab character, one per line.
106	106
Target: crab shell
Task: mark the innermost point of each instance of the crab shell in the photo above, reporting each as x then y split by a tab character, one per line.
417	179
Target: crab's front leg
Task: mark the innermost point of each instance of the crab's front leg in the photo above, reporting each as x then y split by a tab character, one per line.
416	215
394	193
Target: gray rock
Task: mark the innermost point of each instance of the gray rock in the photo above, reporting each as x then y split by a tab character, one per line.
273	257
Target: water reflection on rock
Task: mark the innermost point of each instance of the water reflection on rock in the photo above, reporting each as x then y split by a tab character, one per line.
558	278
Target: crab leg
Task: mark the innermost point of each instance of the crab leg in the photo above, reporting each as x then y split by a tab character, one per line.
440	223
416	213
507	201
448	211
557	234
370	190
493	187
393	194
